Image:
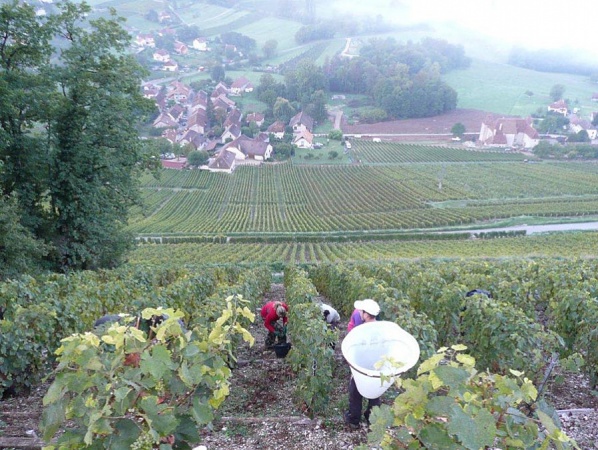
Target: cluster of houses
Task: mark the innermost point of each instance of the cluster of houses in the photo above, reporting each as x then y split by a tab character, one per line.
520	133
163	57
184	118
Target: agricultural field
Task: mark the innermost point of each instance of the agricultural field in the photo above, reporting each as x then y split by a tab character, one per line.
396	187
561	245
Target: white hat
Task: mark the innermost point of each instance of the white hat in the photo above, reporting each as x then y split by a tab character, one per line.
368	305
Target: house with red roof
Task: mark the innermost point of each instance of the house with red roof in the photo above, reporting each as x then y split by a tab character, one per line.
559	107
277	129
301	121
247	148
241	85
225	162
509	132
178	163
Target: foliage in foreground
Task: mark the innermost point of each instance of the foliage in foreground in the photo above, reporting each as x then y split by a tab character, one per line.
122	391
450	405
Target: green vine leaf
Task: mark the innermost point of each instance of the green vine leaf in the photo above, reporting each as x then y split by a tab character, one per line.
474	431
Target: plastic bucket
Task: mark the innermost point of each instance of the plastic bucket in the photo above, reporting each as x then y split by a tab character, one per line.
281	350
369	344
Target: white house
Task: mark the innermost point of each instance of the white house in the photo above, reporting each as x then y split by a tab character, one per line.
145	40
170	66
509	132
247	148
161	55
241	85
559	107
576	125
277	129
303	139
200	44
225	162
301	122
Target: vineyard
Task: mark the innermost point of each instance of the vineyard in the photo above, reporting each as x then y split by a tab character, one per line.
276	254
397	187
541	314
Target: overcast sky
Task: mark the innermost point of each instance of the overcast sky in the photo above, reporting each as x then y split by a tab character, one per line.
530	23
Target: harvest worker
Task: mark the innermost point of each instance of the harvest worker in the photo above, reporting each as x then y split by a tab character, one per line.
368	310
357	316
275	318
331	315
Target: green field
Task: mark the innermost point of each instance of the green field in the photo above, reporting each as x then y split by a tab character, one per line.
500	88
565	245
423	187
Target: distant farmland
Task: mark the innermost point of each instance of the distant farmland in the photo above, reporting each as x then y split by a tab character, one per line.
411	187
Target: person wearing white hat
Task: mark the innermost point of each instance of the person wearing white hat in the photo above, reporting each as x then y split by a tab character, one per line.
367	311
367	306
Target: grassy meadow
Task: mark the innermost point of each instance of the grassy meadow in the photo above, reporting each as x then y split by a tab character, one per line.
501	88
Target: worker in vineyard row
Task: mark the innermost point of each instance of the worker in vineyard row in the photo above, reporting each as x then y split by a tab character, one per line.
274	314
331	315
368	311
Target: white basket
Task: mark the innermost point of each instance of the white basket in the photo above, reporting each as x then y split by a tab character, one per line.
370	343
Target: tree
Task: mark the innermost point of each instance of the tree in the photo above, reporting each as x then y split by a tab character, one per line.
283	110
77	178
336	135
187	33
95	146
458	130
556	92
580	136
317	106
217	73
333	154
270	47
20	251
197	158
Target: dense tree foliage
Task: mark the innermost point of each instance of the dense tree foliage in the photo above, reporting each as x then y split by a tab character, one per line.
197	158
242	42
403	79
553	60
552	123
20	251
314	33
557	151
557	91
302	81
187	33
70	103
269	48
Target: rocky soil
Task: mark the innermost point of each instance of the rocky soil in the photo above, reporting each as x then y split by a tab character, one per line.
260	412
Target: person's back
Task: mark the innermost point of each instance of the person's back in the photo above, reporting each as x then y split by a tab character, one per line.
331	315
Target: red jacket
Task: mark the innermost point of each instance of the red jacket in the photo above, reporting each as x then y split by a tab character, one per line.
269	315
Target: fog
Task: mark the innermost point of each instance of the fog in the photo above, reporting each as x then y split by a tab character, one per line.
532	24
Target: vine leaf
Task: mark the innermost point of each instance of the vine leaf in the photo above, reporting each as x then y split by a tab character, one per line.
434	436
158	364
474	432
